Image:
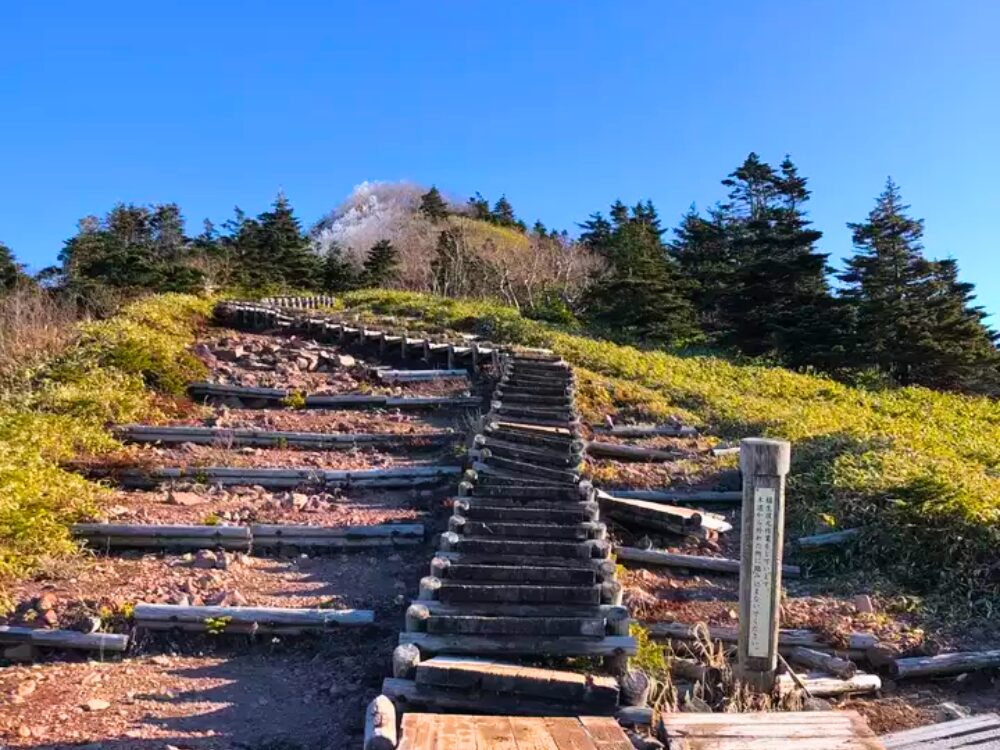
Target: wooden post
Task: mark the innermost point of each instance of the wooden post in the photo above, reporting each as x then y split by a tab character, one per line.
764	464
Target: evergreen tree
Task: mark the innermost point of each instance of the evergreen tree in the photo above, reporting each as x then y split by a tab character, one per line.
705	259
381	264
338	273
641	294
10	270
503	213
915	320
479	208
283	250
432	205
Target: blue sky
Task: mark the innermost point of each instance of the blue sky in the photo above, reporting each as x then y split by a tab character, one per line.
563	106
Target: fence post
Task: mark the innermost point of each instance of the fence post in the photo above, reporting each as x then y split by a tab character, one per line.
764	464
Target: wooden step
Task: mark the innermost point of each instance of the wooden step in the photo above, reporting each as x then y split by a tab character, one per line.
219	436
980	732
489	511
526	469
151	536
565	456
487	676
526	492
779	730
283	620
523	726
591	549
521	530
603	567
451	592
491	625
610	613
520	646
399	477
443	568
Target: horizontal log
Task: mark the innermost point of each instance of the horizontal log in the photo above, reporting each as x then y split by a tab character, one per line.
416	376
514	626
517	646
679	497
604	568
610	612
332	401
405	476
944	664
486	511
659	517
483	546
456	592
407	695
263	619
691	562
293	532
787	638
170	434
523	530
823	685
821	662
515	573
831	539
67	639
639	431
148	536
629	452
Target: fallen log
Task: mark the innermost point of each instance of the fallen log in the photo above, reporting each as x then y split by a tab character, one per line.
944	664
629	452
787	638
247	619
819	661
831	539
110	535
820	685
660	516
671	496
692	562
640	431
68	639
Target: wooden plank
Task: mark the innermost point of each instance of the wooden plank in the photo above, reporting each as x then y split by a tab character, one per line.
494	733
569	734
693	562
68	639
606	733
960	730
178	615
819	730
532	734
518	646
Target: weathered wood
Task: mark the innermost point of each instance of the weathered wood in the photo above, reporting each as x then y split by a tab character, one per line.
523	530
944	664
693	670
518	594
485	546
973	732
608	612
380	725
787	638
519	646
682	497
512	626
405	659
640	431
108	535
527	469
691	562
430	731
806	730
484	510
822	662
517	573
629	452
764	464
399	477
169	434
418	376
498	677
292	533
64	639
830	539
822	685
168	616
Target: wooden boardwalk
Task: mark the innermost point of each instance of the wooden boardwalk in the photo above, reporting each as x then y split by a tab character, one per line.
462	732
801	730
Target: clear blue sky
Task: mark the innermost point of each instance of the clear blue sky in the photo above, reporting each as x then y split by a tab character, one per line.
563	106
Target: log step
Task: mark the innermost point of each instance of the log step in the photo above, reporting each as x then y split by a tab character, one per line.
175	434
524	468
507	530
489	511
604	568
452	593
151	536
63	639
482	675
591	549
542	626
513	573
563	456
400	477
980	732
526	492
520	646
247	619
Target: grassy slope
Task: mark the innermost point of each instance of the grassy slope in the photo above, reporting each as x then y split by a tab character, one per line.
916	469
116	370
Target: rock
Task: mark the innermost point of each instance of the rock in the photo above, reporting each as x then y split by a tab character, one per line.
642	742
816	704
229	355
236	599
298	500
96	704
186	499
205	559
953	711
863	604
216	599
344	360
694	705
46	601
26	688
50	618
161	660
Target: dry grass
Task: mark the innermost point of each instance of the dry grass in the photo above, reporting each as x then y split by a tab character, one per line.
34	327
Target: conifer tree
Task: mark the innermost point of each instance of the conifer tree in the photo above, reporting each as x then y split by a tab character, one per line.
381	264
915	320
479	208
338	273
433	206
283	251
10	270
503	212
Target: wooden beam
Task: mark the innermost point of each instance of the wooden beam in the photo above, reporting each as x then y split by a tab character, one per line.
692	562
520	646
67	639
240	619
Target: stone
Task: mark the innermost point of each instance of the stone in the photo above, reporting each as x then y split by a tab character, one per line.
186	499
96	704
236	599
205	559
26	688
642	742
50	618
816	704
863	604
46	601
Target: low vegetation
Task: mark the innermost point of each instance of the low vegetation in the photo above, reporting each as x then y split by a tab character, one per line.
917	470
59	404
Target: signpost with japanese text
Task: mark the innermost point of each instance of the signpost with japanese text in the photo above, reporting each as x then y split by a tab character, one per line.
764	464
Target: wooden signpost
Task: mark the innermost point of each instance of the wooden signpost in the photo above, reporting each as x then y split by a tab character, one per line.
764	464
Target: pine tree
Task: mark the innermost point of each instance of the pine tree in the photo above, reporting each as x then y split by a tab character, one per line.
503	213
915	321
641	294
381	264
338	273
704	258
283	251
432	205
479	208
10	270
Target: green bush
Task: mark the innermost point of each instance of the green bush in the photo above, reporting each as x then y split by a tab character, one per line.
917	470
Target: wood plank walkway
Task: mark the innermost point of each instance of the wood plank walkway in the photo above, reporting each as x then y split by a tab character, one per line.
463	732
800	730
980	732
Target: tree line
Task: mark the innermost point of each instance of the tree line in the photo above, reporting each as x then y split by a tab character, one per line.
745	277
